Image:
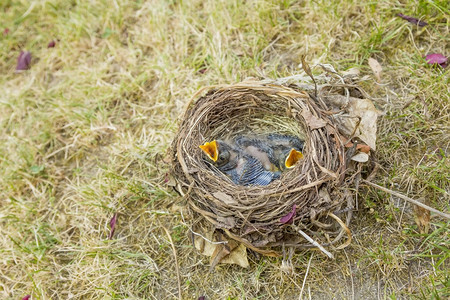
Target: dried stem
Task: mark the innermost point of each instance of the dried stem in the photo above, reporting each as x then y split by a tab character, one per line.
418	203
177	268
309	239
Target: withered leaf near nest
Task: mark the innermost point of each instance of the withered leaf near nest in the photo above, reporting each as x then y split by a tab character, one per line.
422	218
312	121
376	68
361	119
237	255
289	218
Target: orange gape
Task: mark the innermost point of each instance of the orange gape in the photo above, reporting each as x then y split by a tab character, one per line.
293	157
210	148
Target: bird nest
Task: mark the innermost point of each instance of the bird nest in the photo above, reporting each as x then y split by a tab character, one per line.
309	206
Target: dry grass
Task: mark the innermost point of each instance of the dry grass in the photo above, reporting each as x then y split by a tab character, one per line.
83	130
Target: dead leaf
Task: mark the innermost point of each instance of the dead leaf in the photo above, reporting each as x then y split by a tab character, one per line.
221	251
352	72
237	256
289	218
436	58
23	61
358	110
412	20
422	218
361	157
360	147
112	224
376	68
225	198
313	121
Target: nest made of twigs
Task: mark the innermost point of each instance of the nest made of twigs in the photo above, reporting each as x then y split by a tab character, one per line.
317	185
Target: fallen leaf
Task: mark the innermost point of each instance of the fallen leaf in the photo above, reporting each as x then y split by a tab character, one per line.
220	252
6	31
376	68
352	72
289	218
312	121
27	297
412	20
360	147
361	157
112	224
306	67
52	44
225	198
437	58
237	256
358	110
23	61
422	218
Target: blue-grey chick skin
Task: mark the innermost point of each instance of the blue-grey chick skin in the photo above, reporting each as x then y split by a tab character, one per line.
241	168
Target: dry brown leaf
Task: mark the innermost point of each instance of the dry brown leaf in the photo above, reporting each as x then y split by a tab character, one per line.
313	121
237	256
422	218
360	147
358	110
220	252
376	68
225	198
367	129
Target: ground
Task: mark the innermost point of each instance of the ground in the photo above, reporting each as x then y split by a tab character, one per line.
84	130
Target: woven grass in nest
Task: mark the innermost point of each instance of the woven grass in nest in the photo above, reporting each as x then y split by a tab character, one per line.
318	185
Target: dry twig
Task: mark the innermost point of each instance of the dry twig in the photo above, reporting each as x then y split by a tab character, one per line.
442	214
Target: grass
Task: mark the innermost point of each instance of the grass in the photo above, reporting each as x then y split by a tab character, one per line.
83	132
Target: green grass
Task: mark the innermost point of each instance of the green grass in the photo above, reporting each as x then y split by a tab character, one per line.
83	133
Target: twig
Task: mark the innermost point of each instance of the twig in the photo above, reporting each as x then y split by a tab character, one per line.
306	275
177	268
442	214
315	243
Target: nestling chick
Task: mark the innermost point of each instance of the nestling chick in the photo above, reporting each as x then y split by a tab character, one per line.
241	168
274	151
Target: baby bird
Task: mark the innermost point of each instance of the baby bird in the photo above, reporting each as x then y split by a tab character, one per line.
274	151
241	168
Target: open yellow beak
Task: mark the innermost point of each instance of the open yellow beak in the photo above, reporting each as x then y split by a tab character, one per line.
293	157
210	148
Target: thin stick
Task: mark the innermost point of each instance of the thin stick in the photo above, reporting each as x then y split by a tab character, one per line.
306	275
442	214
176	262
315	243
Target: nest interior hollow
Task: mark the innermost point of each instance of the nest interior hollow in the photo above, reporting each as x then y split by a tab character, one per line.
251	214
